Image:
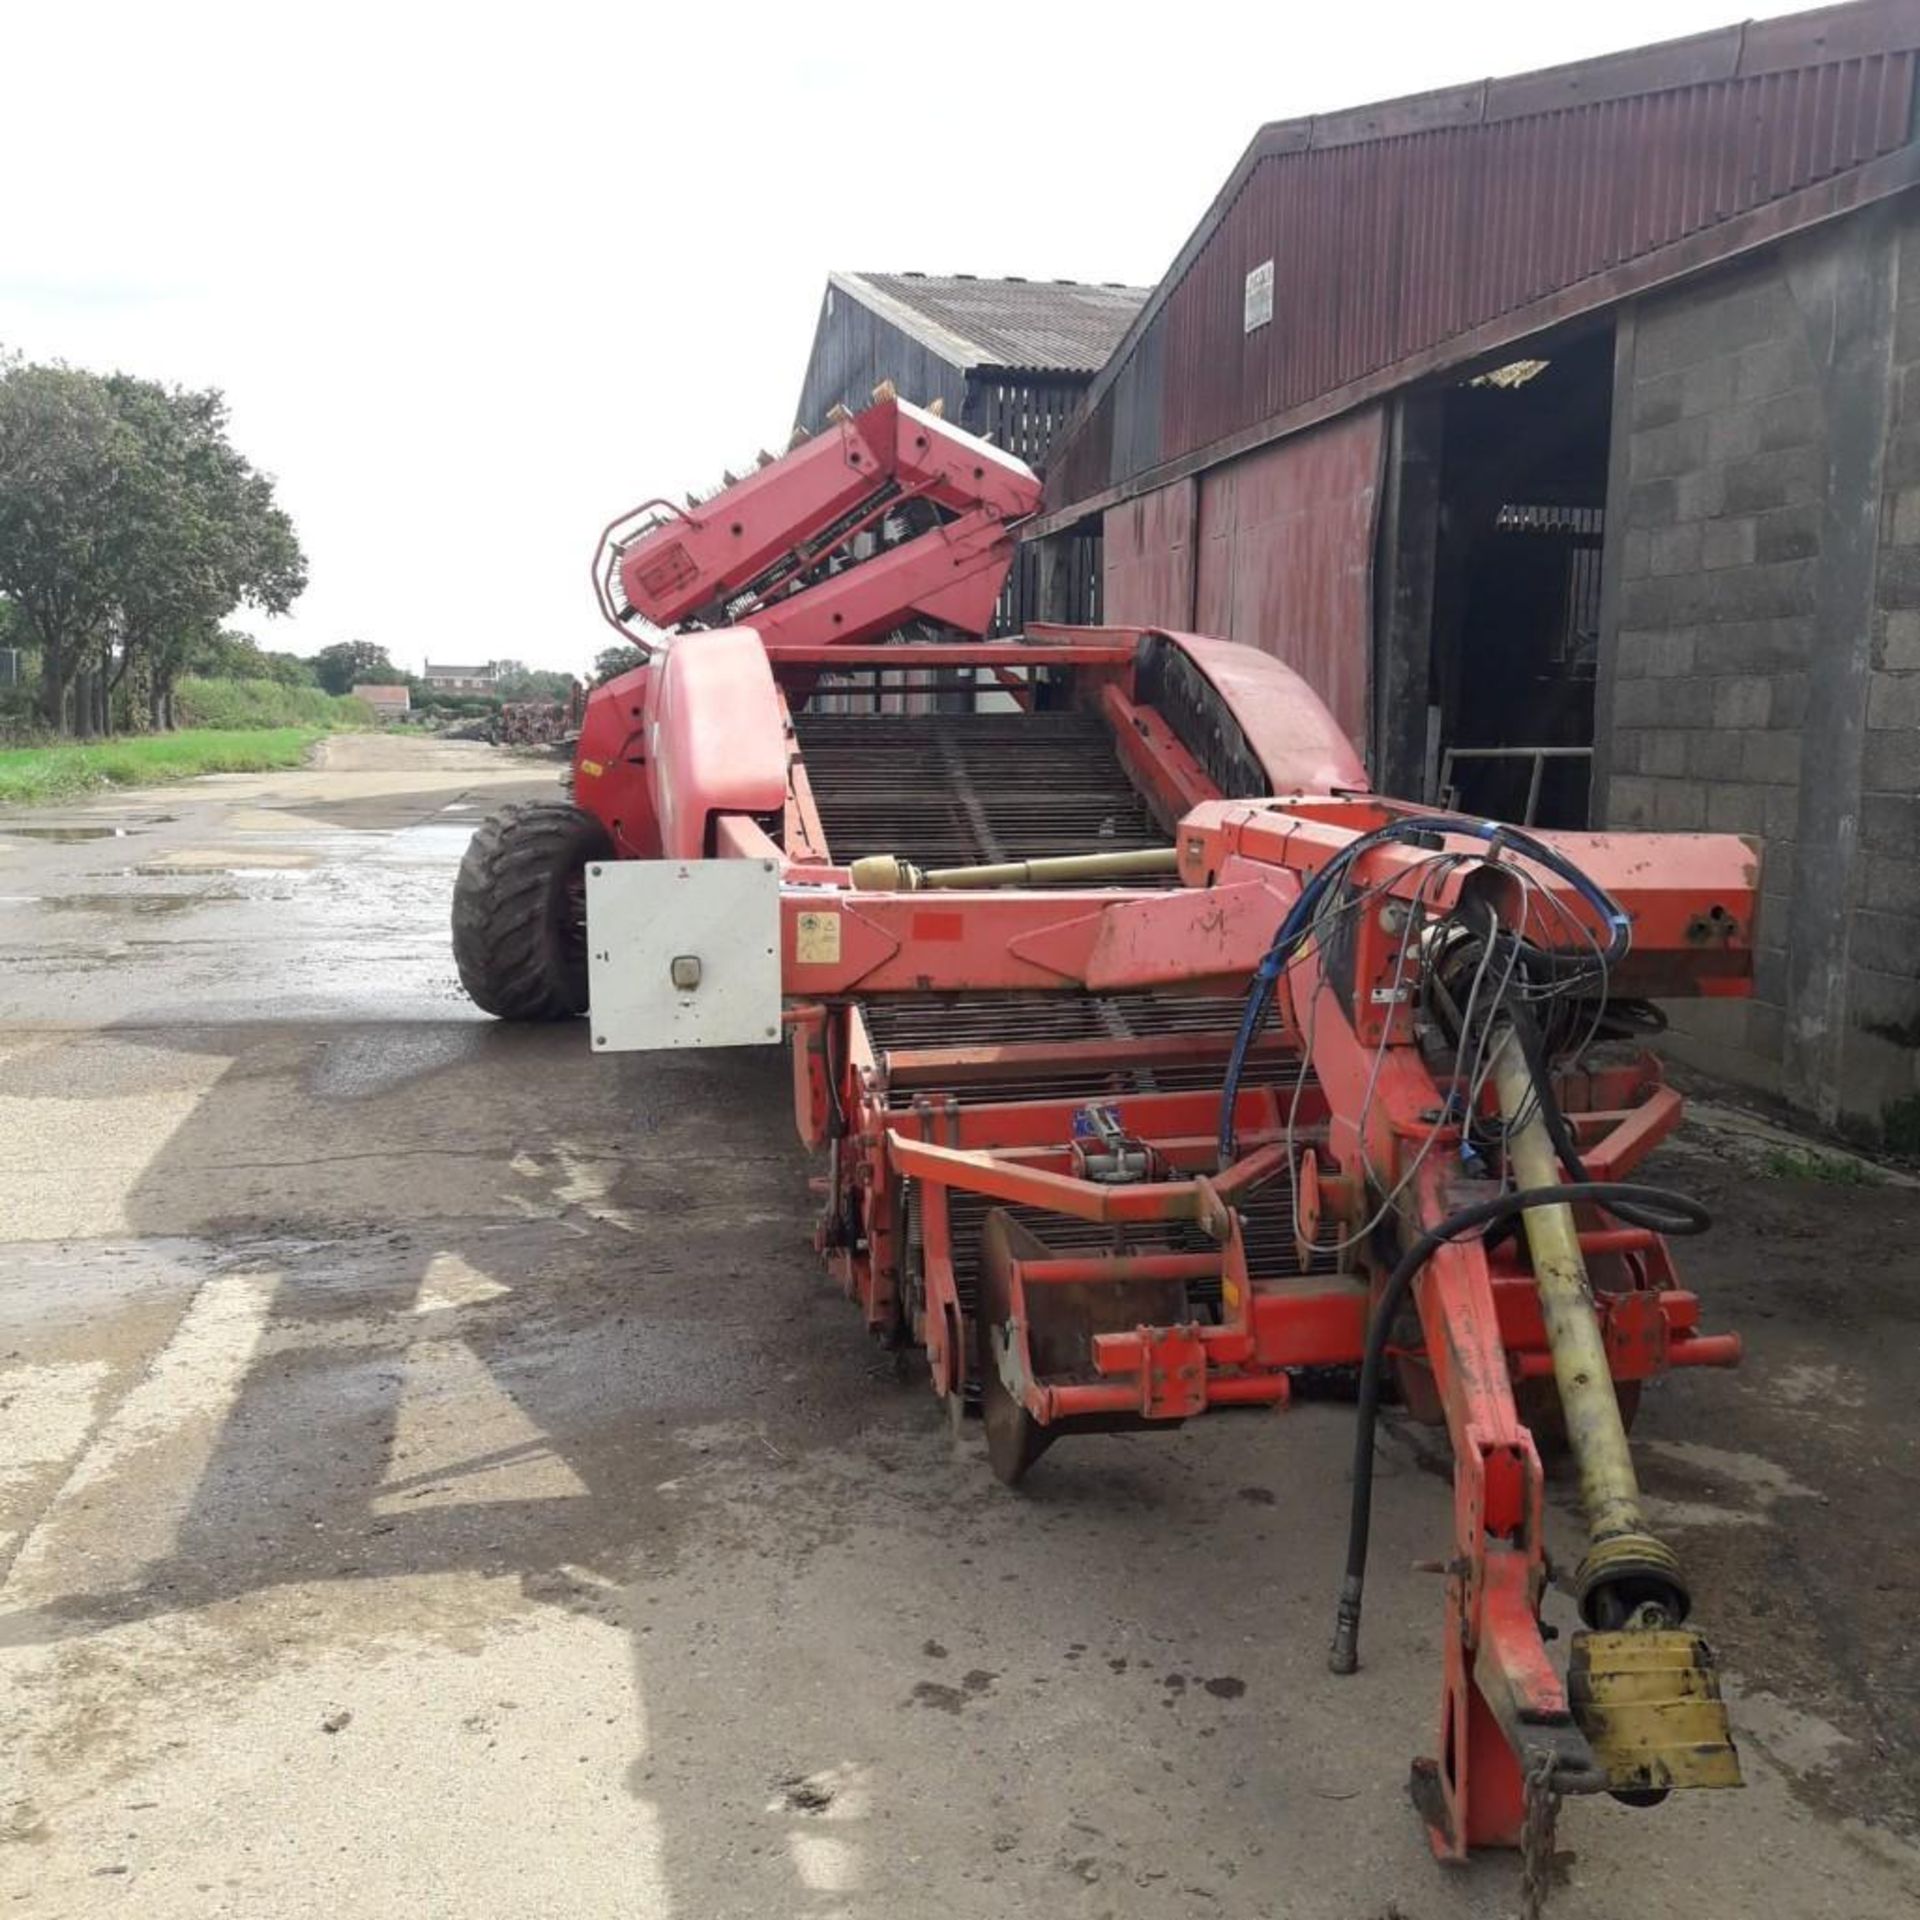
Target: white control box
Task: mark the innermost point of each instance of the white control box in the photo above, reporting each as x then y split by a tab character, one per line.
683	953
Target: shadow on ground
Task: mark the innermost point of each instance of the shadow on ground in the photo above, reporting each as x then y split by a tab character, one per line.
490	1331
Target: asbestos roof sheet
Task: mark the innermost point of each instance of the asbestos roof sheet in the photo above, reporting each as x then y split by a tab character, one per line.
1054	326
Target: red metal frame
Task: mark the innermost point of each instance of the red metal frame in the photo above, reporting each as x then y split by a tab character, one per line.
779	550
698	755
1480	1330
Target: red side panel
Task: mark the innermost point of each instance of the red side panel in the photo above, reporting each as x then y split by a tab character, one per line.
610	763
1301	745
717	739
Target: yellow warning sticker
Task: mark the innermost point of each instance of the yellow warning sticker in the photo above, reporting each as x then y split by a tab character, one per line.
592	769
816	939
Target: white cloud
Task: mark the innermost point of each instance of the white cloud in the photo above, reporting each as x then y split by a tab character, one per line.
474	278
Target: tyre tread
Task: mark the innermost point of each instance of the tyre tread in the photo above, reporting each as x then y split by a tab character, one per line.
505	942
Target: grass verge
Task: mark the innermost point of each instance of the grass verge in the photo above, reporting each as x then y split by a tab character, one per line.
33	774
1808	1163
247	705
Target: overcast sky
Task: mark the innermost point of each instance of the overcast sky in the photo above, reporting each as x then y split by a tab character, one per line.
475	278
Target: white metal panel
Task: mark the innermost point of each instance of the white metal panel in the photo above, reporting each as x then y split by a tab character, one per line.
643	916
1259	304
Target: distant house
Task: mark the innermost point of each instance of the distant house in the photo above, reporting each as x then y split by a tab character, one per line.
444	679
384	699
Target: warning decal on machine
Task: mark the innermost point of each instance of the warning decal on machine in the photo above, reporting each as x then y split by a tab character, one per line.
816	939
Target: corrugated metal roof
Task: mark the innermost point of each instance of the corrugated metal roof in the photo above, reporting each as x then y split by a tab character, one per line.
1055	326
1411	236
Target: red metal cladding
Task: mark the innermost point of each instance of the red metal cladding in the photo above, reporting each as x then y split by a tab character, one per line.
1395	229
1147	559
1284	535
1265	546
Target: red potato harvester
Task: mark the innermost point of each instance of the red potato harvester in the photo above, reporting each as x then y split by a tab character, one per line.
1159	1066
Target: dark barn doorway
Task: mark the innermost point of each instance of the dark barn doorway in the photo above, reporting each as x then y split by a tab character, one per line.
1491	636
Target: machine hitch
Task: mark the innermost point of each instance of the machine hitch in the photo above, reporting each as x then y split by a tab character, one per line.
1643	1690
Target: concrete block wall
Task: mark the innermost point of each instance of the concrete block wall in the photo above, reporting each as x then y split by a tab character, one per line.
1725	487
1883	1029
1761	639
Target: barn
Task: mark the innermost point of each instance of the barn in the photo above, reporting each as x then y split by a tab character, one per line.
1564	431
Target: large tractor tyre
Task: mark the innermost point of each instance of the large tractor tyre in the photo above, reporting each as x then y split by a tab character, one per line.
520	911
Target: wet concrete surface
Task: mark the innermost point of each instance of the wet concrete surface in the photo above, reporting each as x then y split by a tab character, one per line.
435	1478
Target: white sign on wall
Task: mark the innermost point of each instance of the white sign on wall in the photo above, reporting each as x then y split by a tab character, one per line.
1259	296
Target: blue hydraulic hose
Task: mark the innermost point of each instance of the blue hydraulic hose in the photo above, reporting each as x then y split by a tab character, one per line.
1298	920
1287	936
1612	917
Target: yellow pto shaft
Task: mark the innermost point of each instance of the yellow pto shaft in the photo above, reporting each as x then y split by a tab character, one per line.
884	873
1645	1692
1609	1490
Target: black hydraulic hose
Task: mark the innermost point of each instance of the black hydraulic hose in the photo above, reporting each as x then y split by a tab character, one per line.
1686	1217
1566	1148
836	1114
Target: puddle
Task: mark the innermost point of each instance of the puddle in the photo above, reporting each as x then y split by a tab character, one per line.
65	834
430	844
117	903
237	865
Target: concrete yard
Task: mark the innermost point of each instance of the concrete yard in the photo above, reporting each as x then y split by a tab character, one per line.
436	1479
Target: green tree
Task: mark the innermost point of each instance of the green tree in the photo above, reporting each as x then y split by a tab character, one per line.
64	453
13	628
129	527
226	654
615	661
200	534
351	663
19	662
288	669
515	681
